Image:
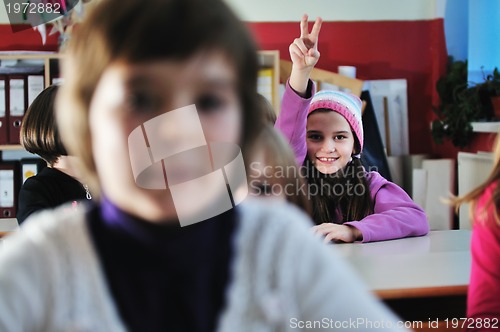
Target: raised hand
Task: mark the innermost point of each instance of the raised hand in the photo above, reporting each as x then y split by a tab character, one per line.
304	50
304	54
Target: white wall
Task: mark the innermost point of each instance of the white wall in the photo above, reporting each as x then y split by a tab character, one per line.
330	10
337	10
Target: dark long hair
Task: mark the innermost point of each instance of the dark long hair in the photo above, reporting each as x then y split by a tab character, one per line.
339	197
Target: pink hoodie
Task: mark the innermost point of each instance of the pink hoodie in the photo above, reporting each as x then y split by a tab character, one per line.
395	214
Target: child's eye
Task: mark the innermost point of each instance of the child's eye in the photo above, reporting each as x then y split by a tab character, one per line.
339	137
143	102
314	137
208	103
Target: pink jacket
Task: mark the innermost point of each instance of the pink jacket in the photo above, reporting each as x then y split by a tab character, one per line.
483	300
395	214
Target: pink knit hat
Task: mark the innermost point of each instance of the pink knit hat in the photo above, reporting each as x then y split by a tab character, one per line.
346	104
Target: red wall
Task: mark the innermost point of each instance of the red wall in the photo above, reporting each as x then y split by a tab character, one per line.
414	50
26	40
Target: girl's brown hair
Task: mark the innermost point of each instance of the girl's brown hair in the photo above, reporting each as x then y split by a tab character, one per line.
339	197
137	31
39	133
473	196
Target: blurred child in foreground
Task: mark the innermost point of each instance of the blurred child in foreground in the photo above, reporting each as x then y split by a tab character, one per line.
127	264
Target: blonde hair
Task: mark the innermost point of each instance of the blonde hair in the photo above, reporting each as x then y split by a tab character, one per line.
473	196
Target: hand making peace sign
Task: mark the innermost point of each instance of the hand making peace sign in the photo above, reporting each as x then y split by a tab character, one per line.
304	50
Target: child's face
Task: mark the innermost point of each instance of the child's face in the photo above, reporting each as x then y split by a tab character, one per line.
127	95
330	142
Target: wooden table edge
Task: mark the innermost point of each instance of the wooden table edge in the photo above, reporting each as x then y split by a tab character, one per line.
404	293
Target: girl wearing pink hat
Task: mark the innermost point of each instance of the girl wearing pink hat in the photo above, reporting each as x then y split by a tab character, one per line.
325	131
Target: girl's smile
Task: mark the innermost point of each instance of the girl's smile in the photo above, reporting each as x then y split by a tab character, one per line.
330	142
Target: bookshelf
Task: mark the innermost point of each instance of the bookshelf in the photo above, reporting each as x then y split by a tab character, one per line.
269	77
37	70
47	59
269	63
26	63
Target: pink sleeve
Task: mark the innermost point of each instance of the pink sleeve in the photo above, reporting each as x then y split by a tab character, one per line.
292	120
395	214
483	299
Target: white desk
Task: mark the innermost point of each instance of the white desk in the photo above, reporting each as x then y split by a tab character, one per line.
434	265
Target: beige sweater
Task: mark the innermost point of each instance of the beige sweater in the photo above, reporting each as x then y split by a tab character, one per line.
285	279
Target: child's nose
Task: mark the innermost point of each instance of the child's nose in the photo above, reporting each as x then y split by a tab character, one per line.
328	145
175	131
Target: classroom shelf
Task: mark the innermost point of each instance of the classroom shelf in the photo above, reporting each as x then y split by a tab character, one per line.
268	59
48	59
11	147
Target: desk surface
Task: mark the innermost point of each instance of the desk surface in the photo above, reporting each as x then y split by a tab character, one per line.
434	265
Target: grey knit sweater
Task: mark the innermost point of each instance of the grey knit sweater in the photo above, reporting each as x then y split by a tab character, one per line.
284	279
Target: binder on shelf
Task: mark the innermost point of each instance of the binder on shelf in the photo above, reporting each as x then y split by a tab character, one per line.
3	110
30	167
54	72
265	83
35	87
8	189
17	100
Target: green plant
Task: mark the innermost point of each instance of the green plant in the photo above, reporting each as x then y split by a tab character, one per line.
461	103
